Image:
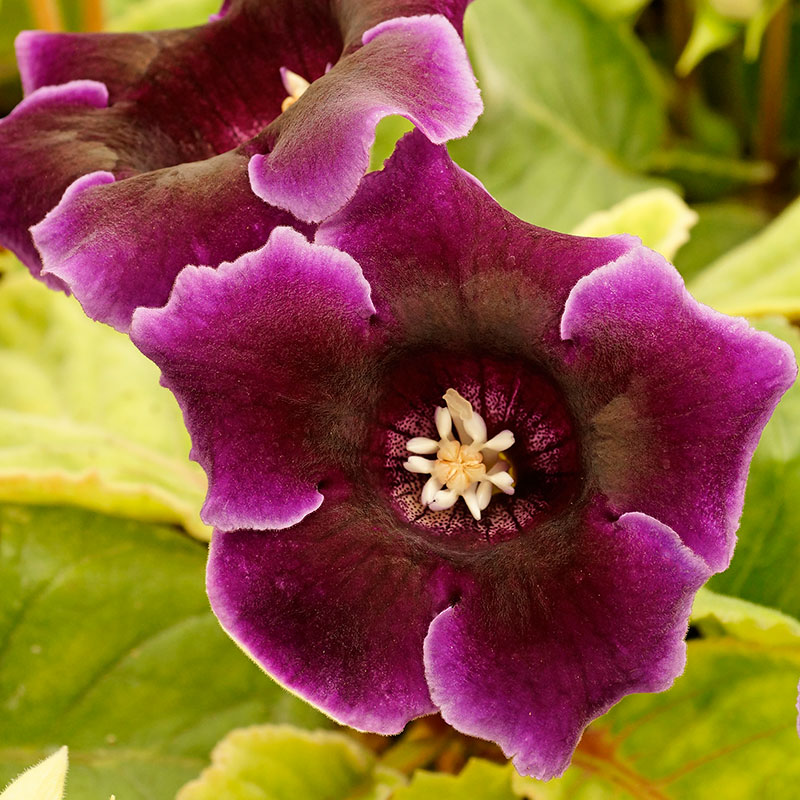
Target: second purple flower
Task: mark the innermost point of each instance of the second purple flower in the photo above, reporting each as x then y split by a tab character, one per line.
151	151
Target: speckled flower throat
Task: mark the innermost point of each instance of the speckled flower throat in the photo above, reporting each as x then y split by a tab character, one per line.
475	450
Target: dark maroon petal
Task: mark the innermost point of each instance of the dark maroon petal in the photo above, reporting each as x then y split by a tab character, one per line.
357	16
175	97
451	268
40	120
248	349
414	66
187	108
678	397
528	660
120	245
217	84
115	59
335	608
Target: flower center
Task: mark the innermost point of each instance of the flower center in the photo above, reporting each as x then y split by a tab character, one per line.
468	466
453	471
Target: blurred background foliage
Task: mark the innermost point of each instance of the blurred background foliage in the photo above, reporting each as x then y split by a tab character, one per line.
676	120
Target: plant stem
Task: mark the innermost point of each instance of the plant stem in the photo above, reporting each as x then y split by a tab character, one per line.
93	16
46	15
772	85
678	21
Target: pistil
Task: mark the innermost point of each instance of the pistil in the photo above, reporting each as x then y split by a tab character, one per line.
466	464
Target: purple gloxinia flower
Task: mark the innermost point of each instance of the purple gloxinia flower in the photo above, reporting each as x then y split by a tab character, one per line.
360	393
183	147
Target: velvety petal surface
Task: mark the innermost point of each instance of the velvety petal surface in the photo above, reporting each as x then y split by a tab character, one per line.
120	245
172	98
530	658
182	119
250	350
216	83
34	146
678	396
335	608
413	66
450	268
115	59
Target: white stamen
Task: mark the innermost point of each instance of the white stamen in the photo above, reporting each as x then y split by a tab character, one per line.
484	494
295	86
429	490
476	428
443	500
502	480
465	466
471	499
422	445
444	422
419	464
502	441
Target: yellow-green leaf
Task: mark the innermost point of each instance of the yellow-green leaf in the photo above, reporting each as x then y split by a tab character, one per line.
279	762
659	217
83	419
761	276
479	780
43	781
716	614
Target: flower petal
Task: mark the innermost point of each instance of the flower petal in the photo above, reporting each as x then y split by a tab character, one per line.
179	155
114	59
176	97
680	396
120	245
213	85
414	66
360	16
33	144
249	384
335	608
530	660
448	266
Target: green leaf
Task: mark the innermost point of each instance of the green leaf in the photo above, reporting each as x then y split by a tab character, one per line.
14	17
757	25
107	645
720	227
572	115
658	217
279	762
719	22
83	419
726	729
479	780
761	276
764	566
